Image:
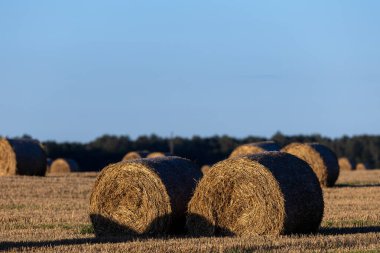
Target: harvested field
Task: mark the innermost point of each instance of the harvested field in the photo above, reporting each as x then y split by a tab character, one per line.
50	214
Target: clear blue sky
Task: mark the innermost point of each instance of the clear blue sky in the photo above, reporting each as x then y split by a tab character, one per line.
74	70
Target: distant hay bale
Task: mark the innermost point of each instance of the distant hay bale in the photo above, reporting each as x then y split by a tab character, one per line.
22	157
345	164
321	159
156	154
135	155
205	169
254	148
62	165
145	196
361	166
270	193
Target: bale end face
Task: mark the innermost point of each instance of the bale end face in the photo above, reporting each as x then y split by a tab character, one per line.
7	158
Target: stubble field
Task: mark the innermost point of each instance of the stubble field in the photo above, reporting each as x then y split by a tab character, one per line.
50	214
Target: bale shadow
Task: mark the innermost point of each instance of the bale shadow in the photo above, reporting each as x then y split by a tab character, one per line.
5	246
356	185
160	227
112	232
349	230
103	226
203	228
116	233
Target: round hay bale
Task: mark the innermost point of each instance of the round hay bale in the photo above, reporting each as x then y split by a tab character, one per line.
205	169
345	164
270	193
156	154
321	159
62	165
254	148
361	166
146	196
135	155
22	157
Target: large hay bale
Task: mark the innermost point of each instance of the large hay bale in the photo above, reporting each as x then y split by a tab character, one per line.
254	148
270	193
145	196
321	159
361	166
156	154
135	155
345	164
62	165
22	157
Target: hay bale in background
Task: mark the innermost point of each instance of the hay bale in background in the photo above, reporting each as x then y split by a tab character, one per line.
22	157
205	169
135	155
146	196
361	166
156	154
271	193
62	165
321	159
254	148
345	164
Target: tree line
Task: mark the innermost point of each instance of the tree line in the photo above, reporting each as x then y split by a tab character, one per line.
94	155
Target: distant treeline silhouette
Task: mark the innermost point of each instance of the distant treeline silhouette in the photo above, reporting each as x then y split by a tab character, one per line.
107	149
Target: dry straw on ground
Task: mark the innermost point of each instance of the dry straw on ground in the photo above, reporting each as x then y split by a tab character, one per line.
146	196
156	154
254	148
135	155
271	193
361	166
345	164
321	159
62	165
22	157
